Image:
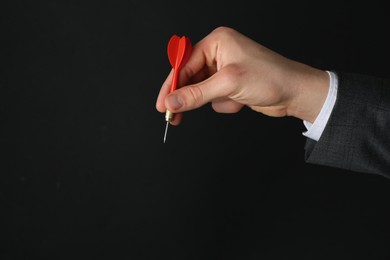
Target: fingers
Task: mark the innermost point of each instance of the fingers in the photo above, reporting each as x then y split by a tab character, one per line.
194	96
202	58
160	105
177	118
226	106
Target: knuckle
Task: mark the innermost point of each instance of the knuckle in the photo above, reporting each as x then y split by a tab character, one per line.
195	96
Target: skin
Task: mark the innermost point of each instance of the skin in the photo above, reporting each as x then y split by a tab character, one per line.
230	70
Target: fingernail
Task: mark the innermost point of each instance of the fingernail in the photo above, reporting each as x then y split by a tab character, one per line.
175	102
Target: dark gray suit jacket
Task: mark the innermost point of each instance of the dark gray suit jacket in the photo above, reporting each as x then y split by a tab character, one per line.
357	135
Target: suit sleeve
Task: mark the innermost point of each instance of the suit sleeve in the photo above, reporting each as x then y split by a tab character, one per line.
357	134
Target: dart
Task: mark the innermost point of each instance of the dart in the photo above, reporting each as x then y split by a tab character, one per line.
179	51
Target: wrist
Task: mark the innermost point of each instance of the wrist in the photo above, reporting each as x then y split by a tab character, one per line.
309	93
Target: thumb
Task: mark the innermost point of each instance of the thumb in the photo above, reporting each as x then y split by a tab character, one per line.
194	96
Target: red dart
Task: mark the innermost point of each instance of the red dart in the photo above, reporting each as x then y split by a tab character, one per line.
179	51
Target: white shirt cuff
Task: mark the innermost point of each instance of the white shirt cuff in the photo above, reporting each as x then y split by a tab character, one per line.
315	130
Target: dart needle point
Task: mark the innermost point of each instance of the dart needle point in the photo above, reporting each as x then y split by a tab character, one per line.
166	131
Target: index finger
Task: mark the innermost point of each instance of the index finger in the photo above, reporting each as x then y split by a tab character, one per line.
164	91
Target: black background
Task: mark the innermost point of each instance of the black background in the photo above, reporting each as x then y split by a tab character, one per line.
84	172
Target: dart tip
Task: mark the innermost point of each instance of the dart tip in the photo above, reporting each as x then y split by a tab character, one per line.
166	131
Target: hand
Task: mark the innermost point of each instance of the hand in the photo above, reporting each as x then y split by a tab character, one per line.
230	71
